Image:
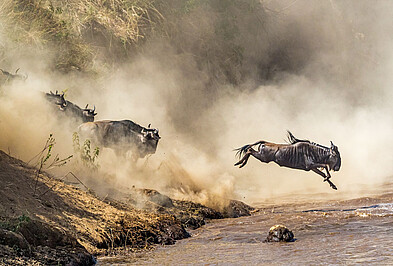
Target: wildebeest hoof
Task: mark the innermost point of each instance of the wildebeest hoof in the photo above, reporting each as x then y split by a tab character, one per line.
280	233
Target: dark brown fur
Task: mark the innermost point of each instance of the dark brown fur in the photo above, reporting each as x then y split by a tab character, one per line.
299	154
71	110
122	136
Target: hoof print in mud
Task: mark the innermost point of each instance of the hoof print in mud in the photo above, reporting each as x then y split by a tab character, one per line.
280	233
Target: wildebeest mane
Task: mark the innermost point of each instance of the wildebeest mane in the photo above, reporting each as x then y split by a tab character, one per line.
131	125
293	140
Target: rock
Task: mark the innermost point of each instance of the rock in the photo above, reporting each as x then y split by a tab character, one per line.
236	209
38	233
13	239
280	233
158	198
146	196
192	215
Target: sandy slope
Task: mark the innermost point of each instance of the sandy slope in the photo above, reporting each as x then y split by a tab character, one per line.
52	222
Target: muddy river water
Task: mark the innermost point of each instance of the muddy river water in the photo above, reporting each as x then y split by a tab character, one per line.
352	231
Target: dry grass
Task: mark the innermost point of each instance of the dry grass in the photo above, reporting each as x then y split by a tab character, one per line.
99	226
126	20
79	33
77	30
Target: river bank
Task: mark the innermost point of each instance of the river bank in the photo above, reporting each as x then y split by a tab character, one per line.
43	220
329	232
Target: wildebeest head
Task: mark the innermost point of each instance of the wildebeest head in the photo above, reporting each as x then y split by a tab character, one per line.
11	76
89	114
334	158
57	99
150	138
150	134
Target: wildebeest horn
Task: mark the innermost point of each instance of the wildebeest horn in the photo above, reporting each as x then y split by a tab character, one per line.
148	126
94	108
331	144
86	106
16	71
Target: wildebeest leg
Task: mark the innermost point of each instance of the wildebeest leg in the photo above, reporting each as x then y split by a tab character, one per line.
325	178
243	161
147	160
134	157
328	179
328	174
315	167
246	156
333	186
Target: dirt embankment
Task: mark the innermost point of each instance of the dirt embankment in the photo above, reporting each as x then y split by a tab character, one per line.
47	221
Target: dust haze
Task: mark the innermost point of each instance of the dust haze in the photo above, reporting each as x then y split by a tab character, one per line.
319	69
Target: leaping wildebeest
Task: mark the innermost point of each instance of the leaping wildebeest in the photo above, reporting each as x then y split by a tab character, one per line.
298	154
122	136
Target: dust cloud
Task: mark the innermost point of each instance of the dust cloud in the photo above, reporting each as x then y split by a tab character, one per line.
319	69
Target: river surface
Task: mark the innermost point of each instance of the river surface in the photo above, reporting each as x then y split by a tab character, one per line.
351	231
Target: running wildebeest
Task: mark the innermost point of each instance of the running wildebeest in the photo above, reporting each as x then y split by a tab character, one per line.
10	76
57	99
81	115
298	154
70	109
122	136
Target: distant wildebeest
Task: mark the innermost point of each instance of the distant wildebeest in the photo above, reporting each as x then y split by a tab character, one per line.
298	154
122	136
70	109
15	76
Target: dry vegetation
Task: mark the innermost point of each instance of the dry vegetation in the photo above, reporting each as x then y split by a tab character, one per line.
78	31
45	220
59	215
84	35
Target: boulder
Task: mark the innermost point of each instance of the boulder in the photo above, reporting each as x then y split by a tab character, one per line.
13	239
236	209
280	233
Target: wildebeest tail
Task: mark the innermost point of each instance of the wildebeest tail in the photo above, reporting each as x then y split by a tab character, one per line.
242	150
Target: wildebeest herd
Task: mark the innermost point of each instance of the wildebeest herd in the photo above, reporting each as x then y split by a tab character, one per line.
121	136
126	135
